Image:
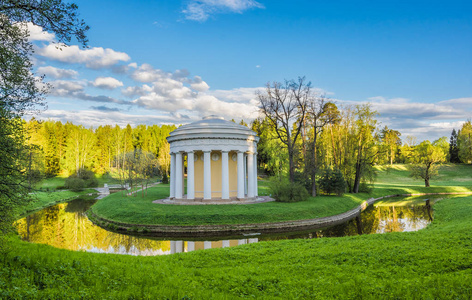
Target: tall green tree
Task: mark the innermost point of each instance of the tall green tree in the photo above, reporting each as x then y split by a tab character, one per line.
20	89
454	148
392	141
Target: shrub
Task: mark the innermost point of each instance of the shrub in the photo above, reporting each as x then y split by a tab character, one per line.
303	179
93	182
286	191
74	184
332	181
165	178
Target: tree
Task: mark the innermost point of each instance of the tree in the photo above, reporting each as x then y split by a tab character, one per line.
282	104
427	156
464	142
365	153
21	91
391	139
319	113
453	148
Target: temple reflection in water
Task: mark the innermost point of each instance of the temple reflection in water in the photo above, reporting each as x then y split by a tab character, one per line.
182	246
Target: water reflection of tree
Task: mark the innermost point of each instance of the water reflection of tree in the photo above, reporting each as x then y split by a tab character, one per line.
67	227
375	219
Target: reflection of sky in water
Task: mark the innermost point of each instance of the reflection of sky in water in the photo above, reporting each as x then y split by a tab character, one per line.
66	226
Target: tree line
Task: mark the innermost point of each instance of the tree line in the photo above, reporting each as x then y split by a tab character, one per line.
57	148
306	135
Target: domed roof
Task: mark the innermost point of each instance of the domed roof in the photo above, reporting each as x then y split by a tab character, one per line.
211	127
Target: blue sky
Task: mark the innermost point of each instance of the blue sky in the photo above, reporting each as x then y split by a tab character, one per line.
156	62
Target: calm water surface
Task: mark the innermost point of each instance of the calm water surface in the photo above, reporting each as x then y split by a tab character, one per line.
66	226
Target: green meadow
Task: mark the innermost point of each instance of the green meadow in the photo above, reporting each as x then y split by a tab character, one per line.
391	180
434	263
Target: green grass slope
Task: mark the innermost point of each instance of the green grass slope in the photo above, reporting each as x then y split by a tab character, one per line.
434	263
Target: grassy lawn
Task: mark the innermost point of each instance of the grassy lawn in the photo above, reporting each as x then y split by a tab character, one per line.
434	263
395	180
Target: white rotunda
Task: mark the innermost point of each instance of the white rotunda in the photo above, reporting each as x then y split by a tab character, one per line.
221	161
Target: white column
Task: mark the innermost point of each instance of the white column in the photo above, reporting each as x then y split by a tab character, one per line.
190	246
225	243
250	175
224	175
179	246
207	245
178	175
206	175
172	175
190	176
240	175
242	242
256	192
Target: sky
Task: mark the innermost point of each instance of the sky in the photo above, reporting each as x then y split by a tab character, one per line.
176	61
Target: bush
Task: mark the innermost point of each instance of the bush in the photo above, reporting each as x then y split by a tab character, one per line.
86	174
74	184
303	179
165	178
286	191
93	182
332	181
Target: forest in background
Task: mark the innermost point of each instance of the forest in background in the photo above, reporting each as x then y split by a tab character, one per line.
351	139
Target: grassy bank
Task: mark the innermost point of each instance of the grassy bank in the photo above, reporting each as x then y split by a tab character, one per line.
391	180
46	199
429	264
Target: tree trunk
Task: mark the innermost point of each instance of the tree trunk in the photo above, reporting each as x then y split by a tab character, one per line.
426	175
334	147
315	165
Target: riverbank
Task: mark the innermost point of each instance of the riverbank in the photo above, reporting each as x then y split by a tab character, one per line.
139	214
234	230
434	263
45	199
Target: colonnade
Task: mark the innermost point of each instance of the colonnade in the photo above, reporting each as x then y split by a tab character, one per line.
246	168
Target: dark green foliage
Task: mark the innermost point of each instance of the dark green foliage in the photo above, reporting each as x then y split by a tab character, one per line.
332	181
165	178
84	178
454	148
286	191
74	184
303	179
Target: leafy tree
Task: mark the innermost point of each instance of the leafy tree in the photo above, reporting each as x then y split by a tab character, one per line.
453	148
21	90
391	139
282	104
427	157
319	114
365	150
464	142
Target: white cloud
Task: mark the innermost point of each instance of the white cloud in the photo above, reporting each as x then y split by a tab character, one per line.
109	83
63	88
199	85
200	10
57	73
36	33
95	58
